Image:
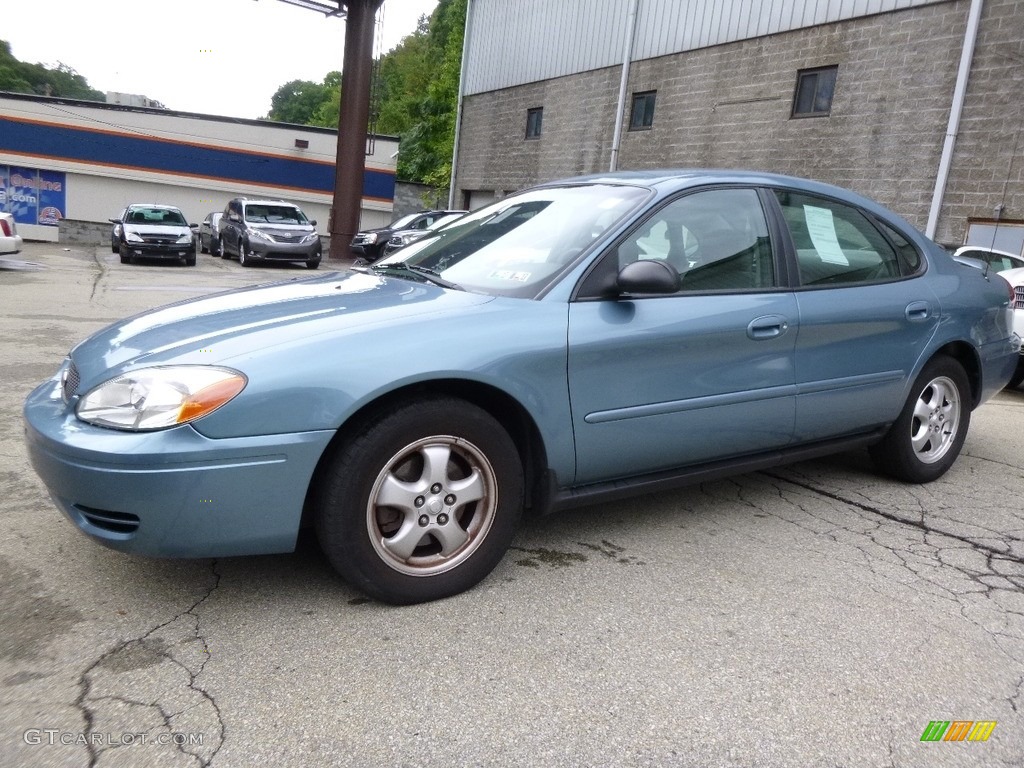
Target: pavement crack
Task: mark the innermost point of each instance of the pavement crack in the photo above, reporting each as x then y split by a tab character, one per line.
112	691
921	525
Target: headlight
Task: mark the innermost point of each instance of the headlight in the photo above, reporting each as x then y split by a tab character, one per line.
310	237
132	237
185	239
260	235
156	398
371	237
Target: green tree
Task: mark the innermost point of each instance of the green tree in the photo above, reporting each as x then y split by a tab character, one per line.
415	95
19	77
296	102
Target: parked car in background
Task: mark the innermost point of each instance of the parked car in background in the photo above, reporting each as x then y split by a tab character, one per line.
152	231
209	232
267	230
999	261
1015	277
10	240
575	342
370	243
404	237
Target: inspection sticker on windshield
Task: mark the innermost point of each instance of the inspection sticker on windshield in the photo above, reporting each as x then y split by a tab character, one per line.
508	274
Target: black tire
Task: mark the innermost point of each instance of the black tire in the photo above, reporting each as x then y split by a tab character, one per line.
313	263
435	544
125	256
190	261
215	247
1018	375
242	248
114	246
221	250
925	440
202	247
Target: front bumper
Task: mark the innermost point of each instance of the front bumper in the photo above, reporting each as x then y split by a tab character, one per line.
174	492
160	250
274	251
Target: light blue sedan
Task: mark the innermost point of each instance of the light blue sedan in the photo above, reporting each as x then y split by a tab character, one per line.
577	342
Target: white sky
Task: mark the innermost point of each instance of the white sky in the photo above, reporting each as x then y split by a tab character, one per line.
218	57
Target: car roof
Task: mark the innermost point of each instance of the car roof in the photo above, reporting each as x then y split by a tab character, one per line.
666	181
161	206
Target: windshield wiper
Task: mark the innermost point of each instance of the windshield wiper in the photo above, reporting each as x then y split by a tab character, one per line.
417	271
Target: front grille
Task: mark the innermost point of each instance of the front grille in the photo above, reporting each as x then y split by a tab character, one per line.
69	382
1018	294
281	237
115	522
160	239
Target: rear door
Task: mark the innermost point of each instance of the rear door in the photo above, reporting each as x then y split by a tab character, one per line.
866	315
663	381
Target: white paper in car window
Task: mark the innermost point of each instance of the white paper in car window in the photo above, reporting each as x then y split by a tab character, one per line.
822	230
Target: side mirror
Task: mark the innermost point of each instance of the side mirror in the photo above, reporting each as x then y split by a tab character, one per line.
648	276
114	221
312	222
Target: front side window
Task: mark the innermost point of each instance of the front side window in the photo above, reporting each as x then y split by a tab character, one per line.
642	116
716	240
521	244
836	243
814	90
534	119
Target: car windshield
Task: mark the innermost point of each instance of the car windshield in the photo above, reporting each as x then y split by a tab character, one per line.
274	214
403	222
519	245
158	216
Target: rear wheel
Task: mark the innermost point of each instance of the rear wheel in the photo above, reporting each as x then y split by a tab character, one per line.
925	440
423	504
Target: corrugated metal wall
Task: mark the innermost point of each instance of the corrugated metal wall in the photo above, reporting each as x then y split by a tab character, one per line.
526	41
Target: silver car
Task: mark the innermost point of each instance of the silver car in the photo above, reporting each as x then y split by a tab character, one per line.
267	230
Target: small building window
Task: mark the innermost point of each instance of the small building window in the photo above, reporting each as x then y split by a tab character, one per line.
642	118
814	89
534	117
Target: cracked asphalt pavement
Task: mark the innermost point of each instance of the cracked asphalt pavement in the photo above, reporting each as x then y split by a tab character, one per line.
811	615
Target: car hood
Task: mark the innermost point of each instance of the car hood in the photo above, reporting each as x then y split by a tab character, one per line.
282	227
226	326
167	230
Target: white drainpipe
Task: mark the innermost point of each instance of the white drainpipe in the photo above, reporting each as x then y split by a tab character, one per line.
458	106
970	36
623	83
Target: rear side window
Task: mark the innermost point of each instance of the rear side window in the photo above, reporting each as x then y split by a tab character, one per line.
835	243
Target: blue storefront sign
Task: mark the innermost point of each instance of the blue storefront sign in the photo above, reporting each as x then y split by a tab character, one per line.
32	195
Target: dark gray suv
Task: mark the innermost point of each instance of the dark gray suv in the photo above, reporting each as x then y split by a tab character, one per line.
267	230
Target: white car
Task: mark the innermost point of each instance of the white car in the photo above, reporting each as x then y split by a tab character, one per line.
151	231
10	240
998	261
1015	277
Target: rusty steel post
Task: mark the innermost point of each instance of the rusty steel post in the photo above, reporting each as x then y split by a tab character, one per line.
350	161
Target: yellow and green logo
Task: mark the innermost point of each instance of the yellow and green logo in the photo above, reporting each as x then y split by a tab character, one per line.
958	730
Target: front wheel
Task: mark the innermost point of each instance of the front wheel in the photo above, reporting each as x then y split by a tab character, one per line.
1018	375
423	503
243	246
925	440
